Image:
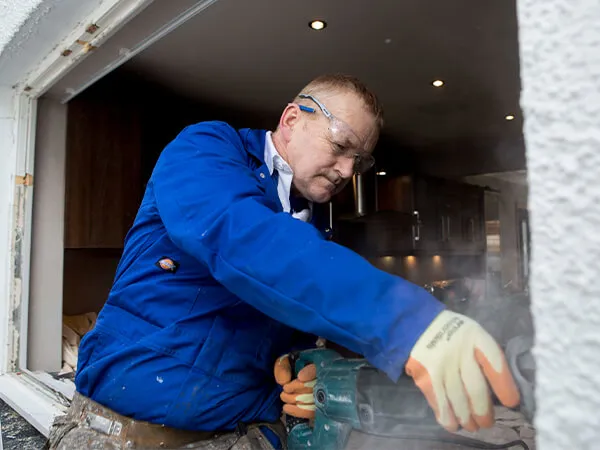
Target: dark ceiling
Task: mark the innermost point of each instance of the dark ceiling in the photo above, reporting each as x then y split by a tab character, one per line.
253	56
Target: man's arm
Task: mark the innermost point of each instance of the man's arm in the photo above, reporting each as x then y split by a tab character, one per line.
213	206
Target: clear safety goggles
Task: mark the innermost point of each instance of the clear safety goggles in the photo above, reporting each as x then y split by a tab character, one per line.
344	141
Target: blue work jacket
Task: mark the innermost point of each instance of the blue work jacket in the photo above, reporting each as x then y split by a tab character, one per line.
214	281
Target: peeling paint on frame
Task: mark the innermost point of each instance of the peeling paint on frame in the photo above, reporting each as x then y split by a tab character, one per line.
20	239
16	310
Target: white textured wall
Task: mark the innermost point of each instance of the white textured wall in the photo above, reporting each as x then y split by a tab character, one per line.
31	29
13	14
560	55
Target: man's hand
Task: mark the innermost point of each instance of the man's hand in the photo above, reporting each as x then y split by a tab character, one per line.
452	363
297	394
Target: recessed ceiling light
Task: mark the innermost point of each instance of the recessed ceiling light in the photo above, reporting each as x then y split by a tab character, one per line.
382	173
317	24
438	83
509	117
388	41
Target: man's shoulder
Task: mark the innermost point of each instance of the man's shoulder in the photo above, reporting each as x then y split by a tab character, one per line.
208	128
250	140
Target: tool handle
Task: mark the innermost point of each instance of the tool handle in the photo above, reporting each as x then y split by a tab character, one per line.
297	365
300	359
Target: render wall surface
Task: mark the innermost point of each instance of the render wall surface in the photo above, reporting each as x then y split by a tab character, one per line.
13	14
560	60
32	29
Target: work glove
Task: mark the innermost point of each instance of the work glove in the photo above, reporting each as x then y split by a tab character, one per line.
297	394
452	363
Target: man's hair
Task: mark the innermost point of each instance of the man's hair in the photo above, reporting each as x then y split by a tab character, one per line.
334	83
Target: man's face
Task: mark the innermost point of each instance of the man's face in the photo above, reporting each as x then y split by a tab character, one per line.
321	151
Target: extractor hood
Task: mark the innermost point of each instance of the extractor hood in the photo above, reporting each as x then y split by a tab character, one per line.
374	233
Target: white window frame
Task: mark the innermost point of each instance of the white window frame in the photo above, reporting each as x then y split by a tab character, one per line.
37	396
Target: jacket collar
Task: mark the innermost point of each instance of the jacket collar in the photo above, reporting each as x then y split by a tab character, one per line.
254	142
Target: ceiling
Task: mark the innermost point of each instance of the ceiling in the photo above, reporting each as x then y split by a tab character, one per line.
254	56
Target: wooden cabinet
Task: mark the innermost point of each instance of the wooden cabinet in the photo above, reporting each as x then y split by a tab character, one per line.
473	219
427	220
395	194
447	217
458	216
103	186
461	219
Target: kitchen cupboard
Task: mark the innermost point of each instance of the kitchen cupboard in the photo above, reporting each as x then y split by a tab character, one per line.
103	164
417	214
461	218
449	216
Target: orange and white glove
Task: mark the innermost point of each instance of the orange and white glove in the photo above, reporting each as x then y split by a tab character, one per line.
452	363
298	393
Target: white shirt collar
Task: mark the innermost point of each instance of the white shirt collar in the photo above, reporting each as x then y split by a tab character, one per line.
274	161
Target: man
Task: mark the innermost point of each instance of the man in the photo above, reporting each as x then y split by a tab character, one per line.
221	268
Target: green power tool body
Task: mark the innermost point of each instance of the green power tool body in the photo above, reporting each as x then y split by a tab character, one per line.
351	395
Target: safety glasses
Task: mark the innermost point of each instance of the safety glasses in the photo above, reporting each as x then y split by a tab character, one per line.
344	141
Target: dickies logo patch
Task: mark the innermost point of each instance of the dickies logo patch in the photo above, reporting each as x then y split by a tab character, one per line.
167	264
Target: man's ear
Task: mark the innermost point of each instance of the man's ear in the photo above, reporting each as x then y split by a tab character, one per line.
289	120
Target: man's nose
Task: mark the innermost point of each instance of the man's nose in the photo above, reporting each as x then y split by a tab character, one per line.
346	167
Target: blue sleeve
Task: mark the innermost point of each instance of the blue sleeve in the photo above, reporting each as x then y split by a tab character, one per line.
213	206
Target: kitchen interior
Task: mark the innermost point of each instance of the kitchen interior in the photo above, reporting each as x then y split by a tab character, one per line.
445	206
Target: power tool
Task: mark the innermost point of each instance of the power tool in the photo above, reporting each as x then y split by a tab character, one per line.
350	394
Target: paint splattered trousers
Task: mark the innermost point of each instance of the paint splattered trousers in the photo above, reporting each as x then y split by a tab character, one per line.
89	425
